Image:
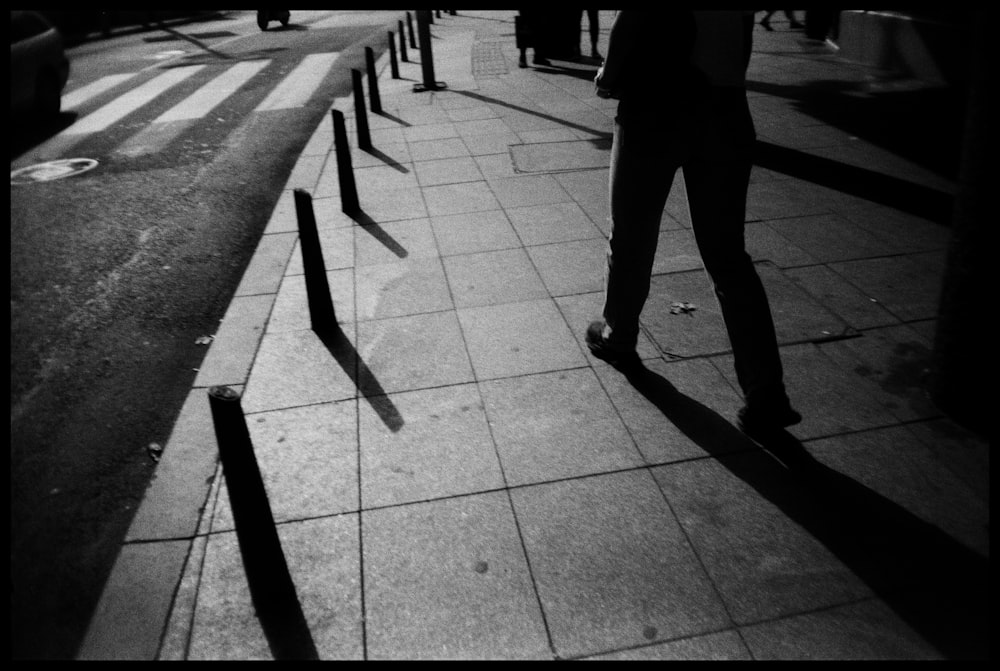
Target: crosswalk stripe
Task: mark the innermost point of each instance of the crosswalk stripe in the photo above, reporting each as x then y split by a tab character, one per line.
201	102
74	99
131	101
296	89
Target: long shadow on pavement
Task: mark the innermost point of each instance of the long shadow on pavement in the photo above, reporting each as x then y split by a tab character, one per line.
868	184
602	135
347	357
938	586
370	226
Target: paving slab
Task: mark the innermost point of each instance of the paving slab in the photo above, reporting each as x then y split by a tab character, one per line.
907	286
518	338
557	222
471	232
611	565
556	425
290	310
323	559
676	410
403	288
831	400
296	368
490	278
548	154
735	512
307	458
722	646
571	267
443	449
448	579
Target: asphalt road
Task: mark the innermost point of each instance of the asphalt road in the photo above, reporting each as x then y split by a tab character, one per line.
117	273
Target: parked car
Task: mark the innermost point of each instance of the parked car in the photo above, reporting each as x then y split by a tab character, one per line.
38	66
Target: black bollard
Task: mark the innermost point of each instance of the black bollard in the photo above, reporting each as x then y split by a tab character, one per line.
393	63
349	204
426	55
376	100
409	27
321	313
437	14
271	585
402	44
360	115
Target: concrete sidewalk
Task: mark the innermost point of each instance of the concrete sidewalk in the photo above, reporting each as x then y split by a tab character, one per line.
483	487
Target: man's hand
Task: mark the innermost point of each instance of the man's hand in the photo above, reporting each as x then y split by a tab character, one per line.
604	89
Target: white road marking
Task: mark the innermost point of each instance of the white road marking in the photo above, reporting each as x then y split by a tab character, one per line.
202	101
74	99
130	101
296	88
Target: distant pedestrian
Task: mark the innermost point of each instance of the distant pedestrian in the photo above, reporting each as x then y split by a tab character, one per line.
531	31
680	80
594	25
793	23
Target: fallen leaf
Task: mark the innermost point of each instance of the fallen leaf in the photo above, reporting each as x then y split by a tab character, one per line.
154	450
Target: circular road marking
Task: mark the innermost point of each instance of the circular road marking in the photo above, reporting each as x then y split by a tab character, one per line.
46	172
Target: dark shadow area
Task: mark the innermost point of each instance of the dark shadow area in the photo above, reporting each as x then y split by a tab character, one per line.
924	126
388	160
30	132
372	227
603	135
588	72
368	386
394	118
861	182
79	26
936	585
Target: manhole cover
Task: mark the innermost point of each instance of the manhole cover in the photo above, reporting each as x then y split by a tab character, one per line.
46	172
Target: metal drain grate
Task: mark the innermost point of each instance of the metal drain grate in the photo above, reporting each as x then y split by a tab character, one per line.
488	59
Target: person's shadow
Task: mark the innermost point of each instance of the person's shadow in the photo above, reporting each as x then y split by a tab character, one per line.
937	585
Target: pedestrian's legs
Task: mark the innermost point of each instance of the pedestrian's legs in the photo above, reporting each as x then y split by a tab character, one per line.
594	22
640	180
717	179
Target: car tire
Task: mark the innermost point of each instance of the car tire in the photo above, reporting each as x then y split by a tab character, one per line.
48	96
262	22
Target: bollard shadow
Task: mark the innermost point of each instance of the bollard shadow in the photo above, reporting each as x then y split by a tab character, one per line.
346	355
385	158
372	227
602	135
935	584
876	187
401	122
272	589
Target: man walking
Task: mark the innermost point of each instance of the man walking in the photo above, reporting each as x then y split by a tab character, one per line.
679	77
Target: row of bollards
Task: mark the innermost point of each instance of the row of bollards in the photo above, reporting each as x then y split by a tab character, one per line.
271	587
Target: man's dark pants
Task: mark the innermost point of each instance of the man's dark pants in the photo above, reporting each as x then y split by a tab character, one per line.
711	140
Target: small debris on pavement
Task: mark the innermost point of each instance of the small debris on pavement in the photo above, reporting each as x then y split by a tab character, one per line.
205	340
680	308
155	450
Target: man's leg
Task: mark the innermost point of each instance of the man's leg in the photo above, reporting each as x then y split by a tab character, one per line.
640	179
717	179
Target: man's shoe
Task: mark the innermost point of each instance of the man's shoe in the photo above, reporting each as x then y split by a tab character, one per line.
605	351
758	422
